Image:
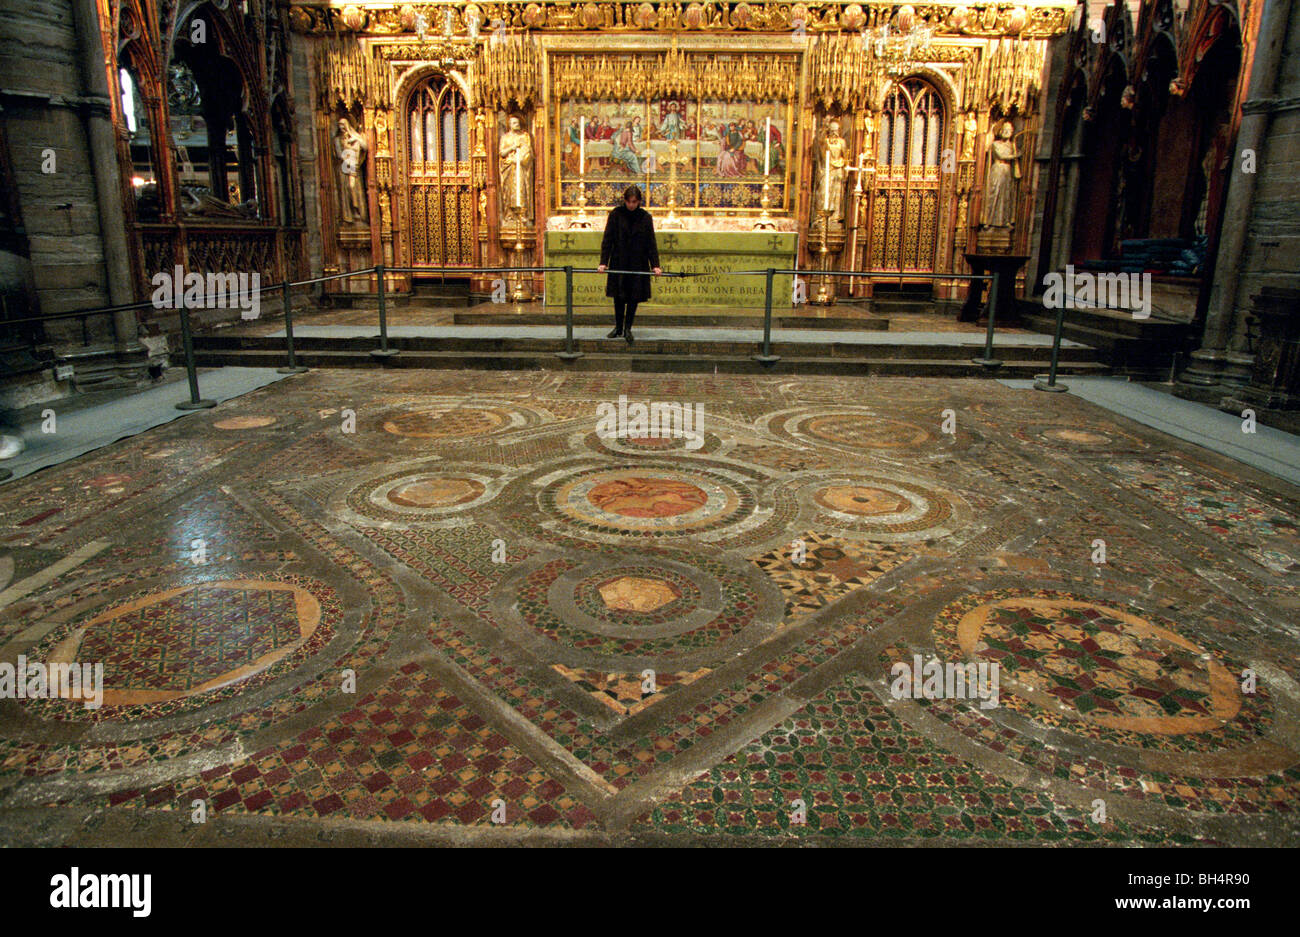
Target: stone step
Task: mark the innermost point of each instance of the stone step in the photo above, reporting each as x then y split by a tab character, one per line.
645	346
738	320
636	360
1149	355
1114	322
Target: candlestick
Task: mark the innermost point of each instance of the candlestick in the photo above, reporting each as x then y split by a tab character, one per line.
767	147
765	218
826	184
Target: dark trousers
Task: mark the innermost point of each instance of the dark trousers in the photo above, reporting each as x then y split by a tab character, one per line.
624	313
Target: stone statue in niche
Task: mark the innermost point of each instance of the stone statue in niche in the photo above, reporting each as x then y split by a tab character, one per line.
999	209
350	149
831	171
515	168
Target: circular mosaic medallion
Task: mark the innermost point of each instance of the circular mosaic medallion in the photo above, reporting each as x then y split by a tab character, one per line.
1109	695
417	422
636	597
603	610
244	422
861	500
172	645
915	433
1079	437
444	422
435	492
651	445
880	506
650	501
1101	670
859	431
414	495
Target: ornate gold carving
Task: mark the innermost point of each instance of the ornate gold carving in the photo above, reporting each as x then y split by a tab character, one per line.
347	77
742	77
1009	75
975	20
509	72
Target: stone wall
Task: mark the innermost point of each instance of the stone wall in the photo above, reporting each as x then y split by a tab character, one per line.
42	110
1272	250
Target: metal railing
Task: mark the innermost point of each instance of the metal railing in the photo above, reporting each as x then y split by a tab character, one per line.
569	353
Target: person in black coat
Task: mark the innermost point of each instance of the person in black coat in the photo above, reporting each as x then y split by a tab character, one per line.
629	244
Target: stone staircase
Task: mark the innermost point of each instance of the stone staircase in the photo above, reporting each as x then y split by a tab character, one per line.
664	343
1144	349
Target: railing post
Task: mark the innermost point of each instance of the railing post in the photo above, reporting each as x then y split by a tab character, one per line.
1050	384
187	340
988	360
294	367
569	354
767	357
383	351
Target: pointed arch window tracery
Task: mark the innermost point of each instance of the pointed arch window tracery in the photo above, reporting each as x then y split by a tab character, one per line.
912	125
438	174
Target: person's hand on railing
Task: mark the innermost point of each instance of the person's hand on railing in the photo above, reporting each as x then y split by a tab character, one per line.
658	271
602	268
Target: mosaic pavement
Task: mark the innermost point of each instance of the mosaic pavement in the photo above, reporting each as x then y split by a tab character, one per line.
441	604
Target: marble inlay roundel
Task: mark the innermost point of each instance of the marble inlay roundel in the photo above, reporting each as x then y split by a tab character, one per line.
435	492
1077	436
414	495
647	500
1101	670
636	496
879	506
638	593
244	422
861	500
445	422
860	431
184	641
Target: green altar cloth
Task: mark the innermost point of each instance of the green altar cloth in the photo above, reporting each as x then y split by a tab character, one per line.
704	252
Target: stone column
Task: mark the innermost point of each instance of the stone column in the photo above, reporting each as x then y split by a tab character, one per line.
108	182
1214	364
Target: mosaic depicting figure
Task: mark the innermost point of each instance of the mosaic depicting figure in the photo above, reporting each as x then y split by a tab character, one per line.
673	124
627	146
719	142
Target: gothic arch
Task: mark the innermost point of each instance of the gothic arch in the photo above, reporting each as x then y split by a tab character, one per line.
438	208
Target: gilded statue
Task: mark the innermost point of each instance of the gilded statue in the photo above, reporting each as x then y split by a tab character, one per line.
999	209
350	149
832	161
969	126
516	172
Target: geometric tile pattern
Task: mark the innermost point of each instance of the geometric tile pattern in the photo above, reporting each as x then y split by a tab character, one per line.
857	771
615	635
410	751
190	637
1266	533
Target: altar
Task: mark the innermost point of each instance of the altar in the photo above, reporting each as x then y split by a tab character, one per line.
710	254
